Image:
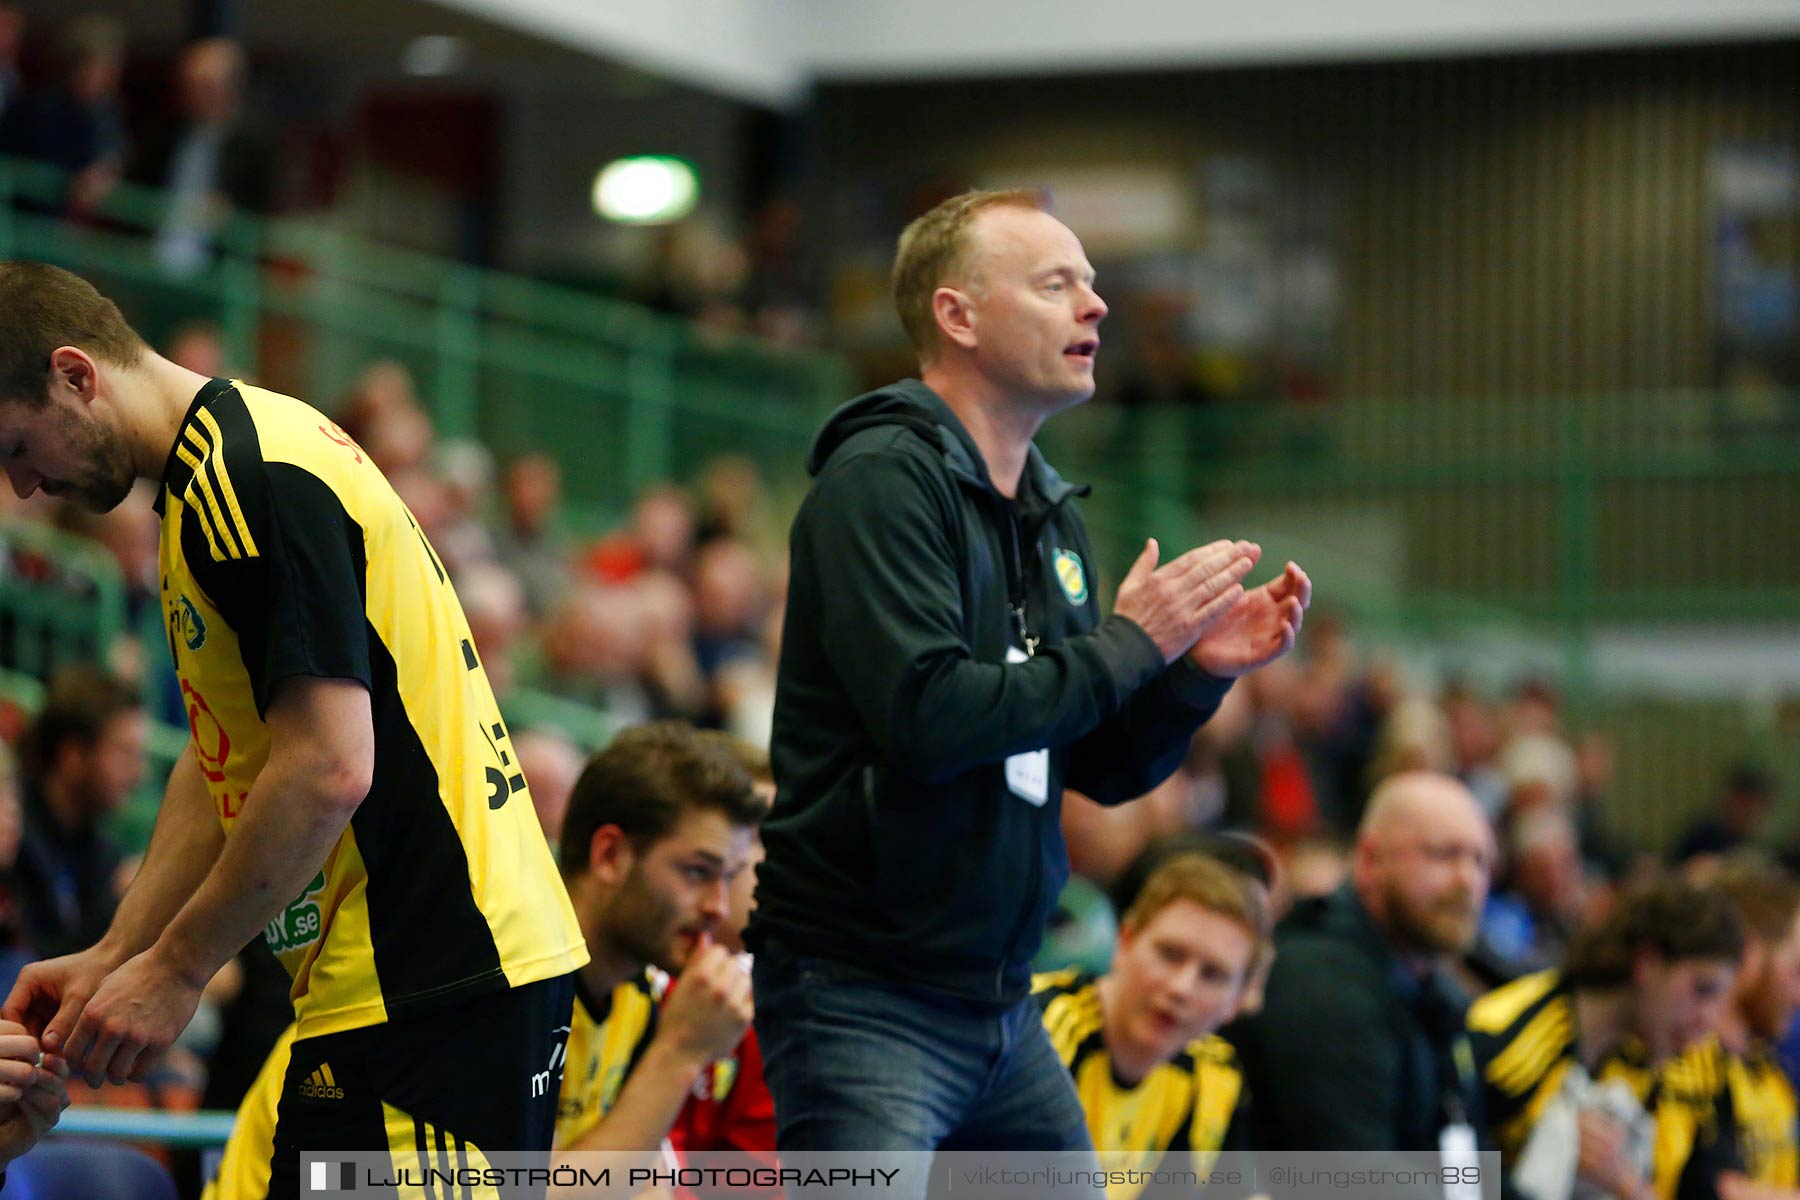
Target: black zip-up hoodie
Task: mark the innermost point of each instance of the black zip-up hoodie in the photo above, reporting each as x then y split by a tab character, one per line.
897	845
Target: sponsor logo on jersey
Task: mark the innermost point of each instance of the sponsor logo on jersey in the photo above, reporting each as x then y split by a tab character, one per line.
300	923
320	1085
186	624
212	745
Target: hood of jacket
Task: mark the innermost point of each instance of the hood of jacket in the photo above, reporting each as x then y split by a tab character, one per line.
913	405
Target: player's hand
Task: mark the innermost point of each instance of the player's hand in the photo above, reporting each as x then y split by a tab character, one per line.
20	1055
710	1008
1601	1160
1176	602
32	1095
135	1015
1259	628
48	996
1734	1185
24	1122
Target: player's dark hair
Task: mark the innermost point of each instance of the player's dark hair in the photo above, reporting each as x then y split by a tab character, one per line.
753	758
1673	919
647	779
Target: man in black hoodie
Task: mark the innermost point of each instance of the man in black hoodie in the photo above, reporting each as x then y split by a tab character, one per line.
945	672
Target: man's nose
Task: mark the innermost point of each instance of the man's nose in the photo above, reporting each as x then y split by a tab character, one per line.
1095	309
24	481
716	901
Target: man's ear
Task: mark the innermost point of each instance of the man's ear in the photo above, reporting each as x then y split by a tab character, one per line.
954	312
610	855
73	370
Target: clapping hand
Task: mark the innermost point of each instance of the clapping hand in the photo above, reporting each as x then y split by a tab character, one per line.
1258	629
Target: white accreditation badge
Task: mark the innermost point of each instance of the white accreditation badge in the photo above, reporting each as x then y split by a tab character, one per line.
1028	774
1462	1162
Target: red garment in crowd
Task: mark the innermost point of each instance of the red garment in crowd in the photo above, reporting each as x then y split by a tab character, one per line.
1289	811
614	559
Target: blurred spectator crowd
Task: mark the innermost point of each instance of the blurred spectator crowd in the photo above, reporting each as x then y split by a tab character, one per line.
62	103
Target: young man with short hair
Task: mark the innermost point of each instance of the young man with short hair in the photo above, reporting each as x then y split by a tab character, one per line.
1569	1058
1153	1076
348	792
1741	1113
659	826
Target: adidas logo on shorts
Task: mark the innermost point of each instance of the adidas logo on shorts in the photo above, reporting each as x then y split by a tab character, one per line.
320	1085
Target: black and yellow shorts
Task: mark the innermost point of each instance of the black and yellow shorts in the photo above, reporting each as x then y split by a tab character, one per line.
435	1090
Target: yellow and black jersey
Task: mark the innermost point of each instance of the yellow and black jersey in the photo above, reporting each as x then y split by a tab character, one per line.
607	1036
1188	1105
1737	1112
1524	1037
285	553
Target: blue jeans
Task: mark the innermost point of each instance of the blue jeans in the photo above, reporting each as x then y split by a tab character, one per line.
859	1064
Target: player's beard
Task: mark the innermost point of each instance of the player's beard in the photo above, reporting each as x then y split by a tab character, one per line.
644	925
1444	924
107	473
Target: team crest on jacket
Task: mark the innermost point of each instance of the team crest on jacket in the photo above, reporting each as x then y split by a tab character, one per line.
1071	575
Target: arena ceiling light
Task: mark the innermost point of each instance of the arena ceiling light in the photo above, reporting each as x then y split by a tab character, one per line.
434	54
651	189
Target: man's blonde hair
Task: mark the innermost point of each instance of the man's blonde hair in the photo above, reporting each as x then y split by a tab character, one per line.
934	251
1215	887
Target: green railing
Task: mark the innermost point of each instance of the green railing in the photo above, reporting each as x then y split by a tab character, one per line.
62	599
519	364
1564	509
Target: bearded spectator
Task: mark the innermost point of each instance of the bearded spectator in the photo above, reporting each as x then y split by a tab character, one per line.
1360	1039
